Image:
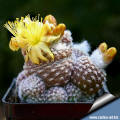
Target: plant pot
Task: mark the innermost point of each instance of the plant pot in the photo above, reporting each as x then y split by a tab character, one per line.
24	111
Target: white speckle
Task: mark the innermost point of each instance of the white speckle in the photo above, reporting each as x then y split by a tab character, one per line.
89	81
78	74
80	69
99	72
61	78
39	71
67	63
66	71
62	68
82	61
45	75
84	58
84	67
97	85
55	52
66	81
95	72
69	73
91	89
76	67
84	86
31	70
105	78
71	67
79	83
85	73
93	67
89	70
53	70
47	67
102	75
64	54
56	83
56	74
99	78
85	61
93	77
74	80
87	65
83	77
80	65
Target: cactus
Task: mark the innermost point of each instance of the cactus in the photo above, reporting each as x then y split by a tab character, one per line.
31	89
55	68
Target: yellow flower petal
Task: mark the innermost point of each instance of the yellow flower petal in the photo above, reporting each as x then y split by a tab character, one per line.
13	44
45	30
59	29
35	55
50	39
109	54
32	55
103	47
50	19
46	50
40	55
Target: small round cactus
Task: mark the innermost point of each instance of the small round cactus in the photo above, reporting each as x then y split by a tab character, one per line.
56	94
74	93
31	89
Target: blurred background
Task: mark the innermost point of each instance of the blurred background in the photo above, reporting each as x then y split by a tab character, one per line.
96	21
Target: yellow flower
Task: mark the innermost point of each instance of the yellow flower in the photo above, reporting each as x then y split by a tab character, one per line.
35	37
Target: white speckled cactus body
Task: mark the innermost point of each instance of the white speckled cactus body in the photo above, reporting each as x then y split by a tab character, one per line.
56	69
